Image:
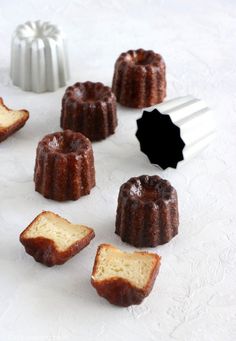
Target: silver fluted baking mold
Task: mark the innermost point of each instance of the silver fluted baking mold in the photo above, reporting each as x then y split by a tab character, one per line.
39	60
175	130
195	120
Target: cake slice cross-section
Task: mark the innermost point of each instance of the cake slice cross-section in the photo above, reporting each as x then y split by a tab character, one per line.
52	240
11	120
124	278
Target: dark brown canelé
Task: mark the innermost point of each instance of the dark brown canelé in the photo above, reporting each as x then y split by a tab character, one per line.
147	212
89	108
139	79
64	166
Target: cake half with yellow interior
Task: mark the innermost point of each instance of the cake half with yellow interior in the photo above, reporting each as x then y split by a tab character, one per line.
11	120
52	240
124	278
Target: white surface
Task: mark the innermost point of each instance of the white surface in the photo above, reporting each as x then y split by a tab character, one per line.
194	297
38	57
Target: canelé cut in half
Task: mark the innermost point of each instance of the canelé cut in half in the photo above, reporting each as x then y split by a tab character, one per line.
52	240
64	167
147	212
124	278
139	78
89	108
11	120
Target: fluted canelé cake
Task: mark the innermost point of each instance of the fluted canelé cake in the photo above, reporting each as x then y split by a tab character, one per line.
64	167
147	212
89	108
139	78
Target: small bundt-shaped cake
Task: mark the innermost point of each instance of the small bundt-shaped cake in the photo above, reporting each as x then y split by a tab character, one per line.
89	108
64	167
147	212
139	79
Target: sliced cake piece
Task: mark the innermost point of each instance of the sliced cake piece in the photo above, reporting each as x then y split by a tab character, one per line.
11	120
52	240
124	278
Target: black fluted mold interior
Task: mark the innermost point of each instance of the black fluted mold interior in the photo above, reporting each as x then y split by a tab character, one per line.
160	139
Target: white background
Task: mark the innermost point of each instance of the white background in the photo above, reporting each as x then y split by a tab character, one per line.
194	297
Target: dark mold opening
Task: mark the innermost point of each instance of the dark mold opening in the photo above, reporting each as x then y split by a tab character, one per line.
160	139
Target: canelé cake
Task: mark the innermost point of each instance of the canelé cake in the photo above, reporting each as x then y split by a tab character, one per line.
124	278
52	240
89	108
139	79
64	167
11	120
147	212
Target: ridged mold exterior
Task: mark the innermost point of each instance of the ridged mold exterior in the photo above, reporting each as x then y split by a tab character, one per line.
181	128
38	57
194	119
89	108
139	78
64	175
143	221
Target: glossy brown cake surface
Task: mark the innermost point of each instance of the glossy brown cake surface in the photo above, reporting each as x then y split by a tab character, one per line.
64	167
147	212
89	108
139	78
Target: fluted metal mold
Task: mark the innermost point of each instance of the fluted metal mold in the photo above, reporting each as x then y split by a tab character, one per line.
191	128
195	121
62	175
39	60
145	222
